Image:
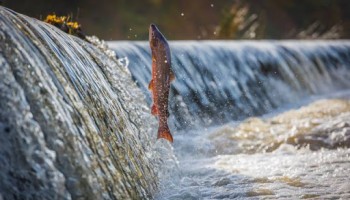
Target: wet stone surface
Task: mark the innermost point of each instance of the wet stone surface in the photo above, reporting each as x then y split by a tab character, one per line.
70	118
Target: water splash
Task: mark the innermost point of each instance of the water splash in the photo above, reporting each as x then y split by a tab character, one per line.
74	125
263	158
273	156
323	124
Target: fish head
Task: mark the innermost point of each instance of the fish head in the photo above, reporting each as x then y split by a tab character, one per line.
156	38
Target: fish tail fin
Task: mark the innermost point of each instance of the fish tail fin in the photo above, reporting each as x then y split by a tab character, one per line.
164	132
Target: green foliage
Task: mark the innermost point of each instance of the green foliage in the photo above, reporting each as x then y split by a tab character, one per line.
201	19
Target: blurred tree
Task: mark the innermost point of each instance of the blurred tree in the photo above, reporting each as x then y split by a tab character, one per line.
287	19
199	19
239	23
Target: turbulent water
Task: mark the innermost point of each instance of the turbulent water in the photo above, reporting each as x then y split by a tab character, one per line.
250	119
217	82
297	154
73	124
278	152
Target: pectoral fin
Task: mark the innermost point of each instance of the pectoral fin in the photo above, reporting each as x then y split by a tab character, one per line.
150	86
154	110
172	75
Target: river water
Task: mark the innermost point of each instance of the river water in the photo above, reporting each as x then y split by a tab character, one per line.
296	154
258	120
250	119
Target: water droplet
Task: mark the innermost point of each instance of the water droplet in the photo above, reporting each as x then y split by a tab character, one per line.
212	5
182	14
165	61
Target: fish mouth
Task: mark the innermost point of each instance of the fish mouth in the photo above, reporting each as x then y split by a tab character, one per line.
152	32
156	38
153	27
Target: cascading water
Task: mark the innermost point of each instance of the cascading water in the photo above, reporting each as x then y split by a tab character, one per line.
73	125
217	82
295	154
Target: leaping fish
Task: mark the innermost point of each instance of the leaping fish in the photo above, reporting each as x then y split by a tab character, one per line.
162	75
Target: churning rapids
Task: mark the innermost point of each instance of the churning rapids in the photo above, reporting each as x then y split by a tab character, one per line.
224	150
250	119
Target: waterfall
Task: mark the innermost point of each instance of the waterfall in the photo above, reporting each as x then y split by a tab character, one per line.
220	81
73	124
